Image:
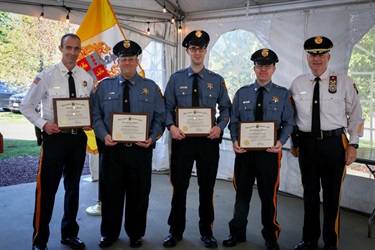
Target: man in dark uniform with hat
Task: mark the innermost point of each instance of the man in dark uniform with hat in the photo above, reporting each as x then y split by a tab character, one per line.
262	100
126	167
327	106
192	87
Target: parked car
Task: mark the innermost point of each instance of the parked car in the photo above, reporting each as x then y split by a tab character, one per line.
5	92
15	101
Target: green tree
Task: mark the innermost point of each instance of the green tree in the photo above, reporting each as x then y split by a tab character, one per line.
27	46
362	68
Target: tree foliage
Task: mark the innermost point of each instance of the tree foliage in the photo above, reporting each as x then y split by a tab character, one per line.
27	46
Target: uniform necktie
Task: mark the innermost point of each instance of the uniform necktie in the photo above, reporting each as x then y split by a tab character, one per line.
259	105
126	104
72	88
315	121
195	96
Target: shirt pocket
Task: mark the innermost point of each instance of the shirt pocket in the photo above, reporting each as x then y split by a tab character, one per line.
333	104
111	103
246	111
303	104
274	111
146	103
209	99
184	97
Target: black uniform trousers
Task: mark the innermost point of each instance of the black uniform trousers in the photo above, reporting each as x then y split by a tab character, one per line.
61	155
205	153
125	172
322	164
265	168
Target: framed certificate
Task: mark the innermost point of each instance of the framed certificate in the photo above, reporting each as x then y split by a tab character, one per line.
257	135
196	121
72	112
129	127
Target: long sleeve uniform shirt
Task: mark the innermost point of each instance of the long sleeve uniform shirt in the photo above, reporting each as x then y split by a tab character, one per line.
49	84
339	108
276	106
211	89
145	97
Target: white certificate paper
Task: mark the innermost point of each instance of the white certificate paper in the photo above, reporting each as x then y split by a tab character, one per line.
257	135
196	121
72	112
129	127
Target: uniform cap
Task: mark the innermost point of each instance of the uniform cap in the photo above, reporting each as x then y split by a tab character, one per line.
197	38
264	57
317	45
127	48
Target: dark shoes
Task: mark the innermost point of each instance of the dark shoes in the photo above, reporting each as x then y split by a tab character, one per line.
40	248
272	246
306	245
105	242
232	240
171	240
135	242
209	241
73	243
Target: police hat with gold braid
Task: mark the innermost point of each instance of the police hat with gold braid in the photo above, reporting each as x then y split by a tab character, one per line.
317	45
197	38
264	56
127	48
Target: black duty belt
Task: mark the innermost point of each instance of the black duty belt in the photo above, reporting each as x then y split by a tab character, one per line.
72	131
325	134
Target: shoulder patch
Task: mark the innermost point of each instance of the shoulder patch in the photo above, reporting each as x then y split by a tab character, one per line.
160	93
36	80
225	87
291	100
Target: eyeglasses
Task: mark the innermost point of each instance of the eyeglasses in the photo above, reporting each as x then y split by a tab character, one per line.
125	59
195	49
263	66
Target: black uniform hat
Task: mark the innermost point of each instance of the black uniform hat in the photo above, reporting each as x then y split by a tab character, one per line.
264	57
317	45
127	48
196	37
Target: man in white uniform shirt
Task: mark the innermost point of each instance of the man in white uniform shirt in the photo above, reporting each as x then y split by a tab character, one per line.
325	115
63	151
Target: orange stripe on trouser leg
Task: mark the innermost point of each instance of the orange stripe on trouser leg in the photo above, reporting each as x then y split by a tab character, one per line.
39	194
337	221
275	195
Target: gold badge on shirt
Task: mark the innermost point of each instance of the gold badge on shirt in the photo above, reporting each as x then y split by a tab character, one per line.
210	85
84	84
332	87
275	99
145	91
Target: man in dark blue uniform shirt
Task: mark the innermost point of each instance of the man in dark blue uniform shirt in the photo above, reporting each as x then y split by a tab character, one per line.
208	91
262	165
126	167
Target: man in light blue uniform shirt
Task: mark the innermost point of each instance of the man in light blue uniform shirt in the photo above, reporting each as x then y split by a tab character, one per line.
126	167
262	165
192	87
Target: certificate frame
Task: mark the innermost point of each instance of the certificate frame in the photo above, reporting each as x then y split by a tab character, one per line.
71	113
258	135
129	127
195	121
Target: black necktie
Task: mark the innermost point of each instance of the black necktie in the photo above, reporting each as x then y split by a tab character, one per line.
126	104
315	121
195	97
72	88
259	105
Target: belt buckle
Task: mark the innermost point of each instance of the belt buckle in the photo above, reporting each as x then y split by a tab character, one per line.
128	145
74	131
321	135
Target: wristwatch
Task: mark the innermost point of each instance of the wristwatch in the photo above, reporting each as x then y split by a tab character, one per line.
354	146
